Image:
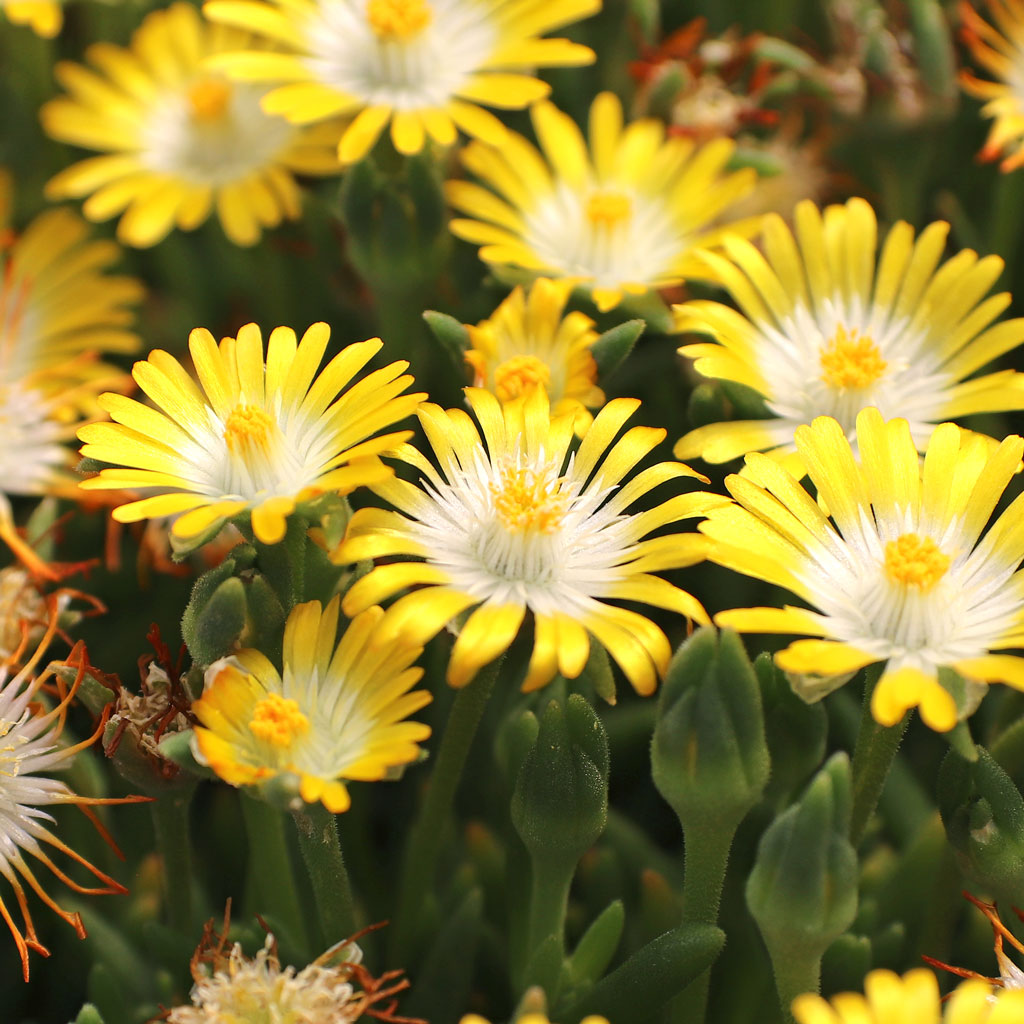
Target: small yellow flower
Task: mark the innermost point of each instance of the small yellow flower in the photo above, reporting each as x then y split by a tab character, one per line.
624	216
901	574
829	325
911	999
1000	51
44	17
511	522
530	1018
527	343
336	712
179	141
422	65
250	437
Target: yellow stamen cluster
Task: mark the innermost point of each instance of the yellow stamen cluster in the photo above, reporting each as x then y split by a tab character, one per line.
851	361
524	502
248	430
278	720
915	561
520	374
398	19
10	763
607	209
208	98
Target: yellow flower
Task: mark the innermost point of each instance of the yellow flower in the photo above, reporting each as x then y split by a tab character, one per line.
179	140
625	216
253	438
512	522
59	312
336	712
1001	51
829	326
527	344
900	574
423	65
911	999
530	1018
44	17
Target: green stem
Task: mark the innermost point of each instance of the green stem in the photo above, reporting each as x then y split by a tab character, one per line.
272	870
795	973
332	890
284	564
549	901
424	841
706	857
170	824
873	755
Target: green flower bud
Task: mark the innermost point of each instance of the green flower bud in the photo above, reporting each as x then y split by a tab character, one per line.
88	1014
709	757
983	813
516	737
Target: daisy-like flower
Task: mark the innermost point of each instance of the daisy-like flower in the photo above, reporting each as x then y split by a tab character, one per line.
624	217
334	989
425	66
512	522
44	17
250	437
527	344
337	711
30	749
178	139
999	50
911	999
827	329
901	574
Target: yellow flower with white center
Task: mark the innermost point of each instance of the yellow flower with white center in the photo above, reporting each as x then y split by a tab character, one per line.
911	999
829	326
179	140
528	344
30	750
336	712
422	65
250	437
44	17
624	216
999	50
513	521
901	574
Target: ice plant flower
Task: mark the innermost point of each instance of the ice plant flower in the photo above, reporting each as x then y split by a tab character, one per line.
425	66
44	17
828	327
527	343
337	711
249	437
531	1018
900	574
30	750
1000	50
178	139
334	989
624	216
511	522
911	999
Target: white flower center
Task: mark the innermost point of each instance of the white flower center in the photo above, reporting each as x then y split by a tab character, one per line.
30	436
405	54
10	758
607	233
211	132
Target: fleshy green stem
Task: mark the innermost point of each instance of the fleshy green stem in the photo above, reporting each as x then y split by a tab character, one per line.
795	973
170	824
424	841
873	755
332	890
284	564
706	859
272	869
549	901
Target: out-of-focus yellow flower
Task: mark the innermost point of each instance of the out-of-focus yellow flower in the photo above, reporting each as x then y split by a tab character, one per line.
912	999
527	343
250	436
530	1018
830	326
179	140
901	573
337	712
623	216
425	66
44	17
510	522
